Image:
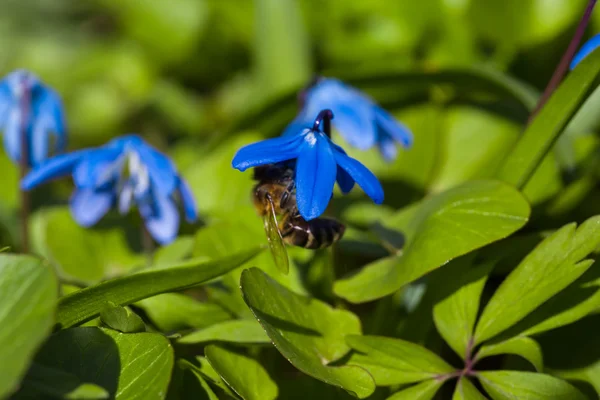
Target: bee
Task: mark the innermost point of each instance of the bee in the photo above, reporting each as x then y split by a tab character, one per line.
274	195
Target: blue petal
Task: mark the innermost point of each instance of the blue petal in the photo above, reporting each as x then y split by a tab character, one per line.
48	118
300	123
161	169
361	174
344	180
353	111
53	168
189	203
12	134
267	152
88	205
161	219
585	50
7	101
99	167
315	176
387	147
393	128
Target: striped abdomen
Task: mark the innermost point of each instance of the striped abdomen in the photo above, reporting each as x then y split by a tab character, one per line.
314	234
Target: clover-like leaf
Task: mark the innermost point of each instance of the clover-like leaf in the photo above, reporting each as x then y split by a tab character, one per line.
445	226
509	385
393	361
235	331
309	333
548	269
465	390
421	391
128	365
455	315
522	346
243	374
28	296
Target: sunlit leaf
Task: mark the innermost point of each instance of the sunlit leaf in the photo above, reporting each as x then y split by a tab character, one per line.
482	211
121	319
509	385
236	331
421	391
523	346
465	390
309	333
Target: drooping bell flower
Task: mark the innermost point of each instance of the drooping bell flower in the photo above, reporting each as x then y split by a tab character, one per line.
318	164
28	106
123	172
360	121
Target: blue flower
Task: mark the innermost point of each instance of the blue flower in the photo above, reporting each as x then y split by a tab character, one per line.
319	163
586	50
361	122
101	183
26	103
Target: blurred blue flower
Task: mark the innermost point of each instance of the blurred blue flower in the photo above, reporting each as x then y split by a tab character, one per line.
361	122
319	163
26	103
586	50
123	171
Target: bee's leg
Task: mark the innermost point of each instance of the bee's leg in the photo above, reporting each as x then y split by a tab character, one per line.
286	196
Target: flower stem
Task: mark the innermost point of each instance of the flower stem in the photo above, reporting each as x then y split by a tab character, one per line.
563	66
24	165
325	116
147	244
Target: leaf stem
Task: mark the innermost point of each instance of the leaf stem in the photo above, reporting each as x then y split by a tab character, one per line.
563	65
24	164
147	244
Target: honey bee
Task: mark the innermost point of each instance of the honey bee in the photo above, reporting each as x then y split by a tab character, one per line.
274	195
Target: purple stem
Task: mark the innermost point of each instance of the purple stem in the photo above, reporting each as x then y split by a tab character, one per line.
324	116
24	164
563	66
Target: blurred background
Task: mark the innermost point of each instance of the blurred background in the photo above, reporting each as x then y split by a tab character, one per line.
201	78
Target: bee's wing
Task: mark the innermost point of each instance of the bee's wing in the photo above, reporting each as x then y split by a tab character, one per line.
276	244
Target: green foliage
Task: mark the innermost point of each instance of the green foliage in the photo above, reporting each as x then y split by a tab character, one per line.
475	279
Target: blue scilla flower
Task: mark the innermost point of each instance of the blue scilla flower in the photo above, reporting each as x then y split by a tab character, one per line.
318	164
124	171
29	106
586	50
361	122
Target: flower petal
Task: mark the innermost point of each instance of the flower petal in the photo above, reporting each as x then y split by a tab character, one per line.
161	169
7	101
387	147
585	50
267	152
99	167
388	124
187	199
315	176
361	174
344	180
300	123
88	205
53	168
161	218
12	134
48	116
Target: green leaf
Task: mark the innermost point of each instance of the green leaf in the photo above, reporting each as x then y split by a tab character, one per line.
453	223
308	333
28	296
136	365
455	315
243	374
548	269
236	331
208	391
421	391
174	311
204	369
105	251
121	319
523	346
86	304
41	381
549	123
394	361
509	385
465	390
